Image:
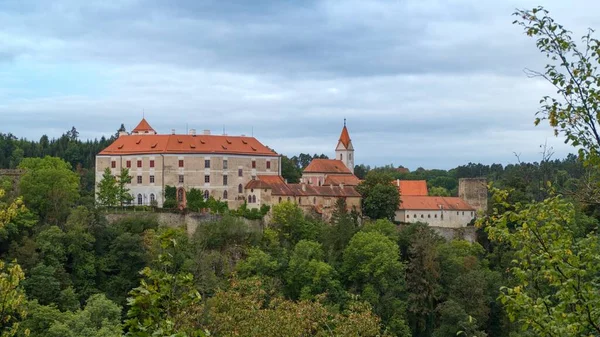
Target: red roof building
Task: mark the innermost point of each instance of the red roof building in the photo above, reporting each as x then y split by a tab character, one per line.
412	187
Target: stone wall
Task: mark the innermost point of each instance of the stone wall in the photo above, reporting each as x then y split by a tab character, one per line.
475	192
189	221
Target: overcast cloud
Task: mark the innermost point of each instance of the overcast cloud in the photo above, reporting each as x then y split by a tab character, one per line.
421	82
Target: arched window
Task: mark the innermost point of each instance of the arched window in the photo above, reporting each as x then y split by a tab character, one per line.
341	156
414	215
180	195
407	216
152	198
206	195
224	195
240	188
249	199
140	199
279	199
253	199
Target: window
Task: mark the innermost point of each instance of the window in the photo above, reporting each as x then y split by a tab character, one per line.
429	215
180	162
349	156
253	177
299	200
224	195
139	179
341	156
268	165
113	164
288	198
151	163
279	199
249	199
151	179
129	164
240	188
314	200
224	164
421	215
139	163
207	163
180	195
152	198
435	216
414	215
407	216
206	194
240	172
463	213
207	178
254	164
181	178
471	213
253	199
225	180
457	213
139	199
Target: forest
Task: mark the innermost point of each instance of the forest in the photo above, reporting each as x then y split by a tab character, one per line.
66	270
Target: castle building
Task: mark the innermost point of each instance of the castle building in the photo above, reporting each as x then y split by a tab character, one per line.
338	171
218	165
323	182
416	205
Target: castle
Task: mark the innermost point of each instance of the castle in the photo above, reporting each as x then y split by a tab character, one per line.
235	169
240	169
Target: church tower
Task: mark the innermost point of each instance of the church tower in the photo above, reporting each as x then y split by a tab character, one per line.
344	150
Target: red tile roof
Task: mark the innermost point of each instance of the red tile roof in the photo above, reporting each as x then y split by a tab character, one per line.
411	187
275	183
181	144
345	137
279	187
326	166
337	179
414	202
143	126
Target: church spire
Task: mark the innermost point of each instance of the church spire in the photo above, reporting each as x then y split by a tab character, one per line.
344	150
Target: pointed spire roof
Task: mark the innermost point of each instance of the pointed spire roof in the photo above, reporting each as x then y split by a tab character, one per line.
345	137
143	127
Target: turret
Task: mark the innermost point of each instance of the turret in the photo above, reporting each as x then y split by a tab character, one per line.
344	150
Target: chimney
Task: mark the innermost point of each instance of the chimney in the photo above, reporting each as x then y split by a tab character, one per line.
303	187
172	131
243	135
341	185
123	133
207	132
285	180
193	132
398	182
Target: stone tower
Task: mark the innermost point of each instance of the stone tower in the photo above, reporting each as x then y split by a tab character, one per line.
474	191
344	150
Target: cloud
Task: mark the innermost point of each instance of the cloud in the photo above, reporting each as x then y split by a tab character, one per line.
422	83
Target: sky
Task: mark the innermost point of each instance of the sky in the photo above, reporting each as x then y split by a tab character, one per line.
421	83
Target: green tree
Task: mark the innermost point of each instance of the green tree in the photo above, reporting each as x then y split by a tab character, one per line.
165	303
555	290
339	233
438	191
49	187
290	171
123	195
107	189
372	268
308	275
380	197
291	224
12	299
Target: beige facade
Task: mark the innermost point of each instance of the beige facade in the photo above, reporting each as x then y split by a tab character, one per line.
437	218
215	173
